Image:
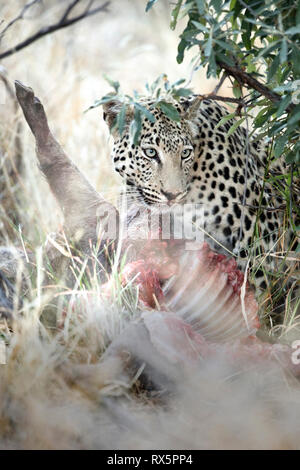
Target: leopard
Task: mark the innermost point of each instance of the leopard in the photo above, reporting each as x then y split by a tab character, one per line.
205	159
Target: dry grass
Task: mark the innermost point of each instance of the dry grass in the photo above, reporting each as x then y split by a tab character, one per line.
55	392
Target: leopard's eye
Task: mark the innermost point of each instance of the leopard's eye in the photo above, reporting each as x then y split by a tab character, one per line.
186	153
150	152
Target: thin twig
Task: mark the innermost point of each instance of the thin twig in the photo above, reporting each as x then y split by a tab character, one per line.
54	27
68	10
19	17
217	88
90	4
228	99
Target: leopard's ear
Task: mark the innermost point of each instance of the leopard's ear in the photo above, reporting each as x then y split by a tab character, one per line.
191	112
192	107
110	111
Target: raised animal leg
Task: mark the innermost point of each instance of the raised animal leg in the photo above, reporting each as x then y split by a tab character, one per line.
86	213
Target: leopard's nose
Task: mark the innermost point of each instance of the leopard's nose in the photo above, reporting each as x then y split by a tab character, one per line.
171	196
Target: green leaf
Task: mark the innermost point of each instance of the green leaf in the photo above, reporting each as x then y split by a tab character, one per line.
294	118
200	26
136	127
181	48
237	8
251	67
280	144
169	110
104	99
156	82
212	66
223	58
276	128
201	6
234	126
225	45
113	83
236	88
225	119
287	87
145	111
263	116
121	119
175	13
150	4
186	9
298	15
217	4
292	157
266	50
285	101
182	92
283	51
273	69
295	62
246	41
208	47
293	30
178	82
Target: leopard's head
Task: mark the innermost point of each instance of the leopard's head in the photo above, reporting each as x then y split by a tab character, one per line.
157	170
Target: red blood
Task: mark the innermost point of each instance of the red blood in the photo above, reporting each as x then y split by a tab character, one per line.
146	278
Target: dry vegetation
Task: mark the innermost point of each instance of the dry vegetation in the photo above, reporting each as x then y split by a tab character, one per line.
66	69
54	391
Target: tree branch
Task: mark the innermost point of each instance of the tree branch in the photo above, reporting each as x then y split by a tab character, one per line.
248	79
219	85
64	22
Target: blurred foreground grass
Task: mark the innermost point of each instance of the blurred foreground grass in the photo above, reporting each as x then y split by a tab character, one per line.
66	70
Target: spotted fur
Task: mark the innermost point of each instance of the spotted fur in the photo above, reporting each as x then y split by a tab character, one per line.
224	173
